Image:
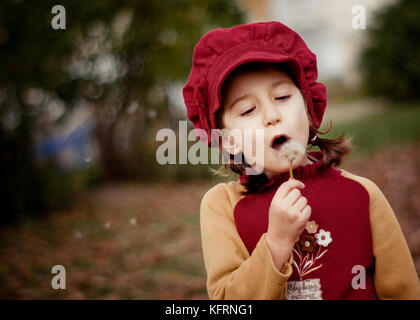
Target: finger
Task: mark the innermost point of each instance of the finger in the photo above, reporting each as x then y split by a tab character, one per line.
293	196
299	205
287	186
306	213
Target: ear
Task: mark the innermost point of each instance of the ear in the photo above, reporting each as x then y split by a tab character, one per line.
230	143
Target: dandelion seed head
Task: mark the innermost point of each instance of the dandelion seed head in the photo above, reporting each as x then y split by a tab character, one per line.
291	149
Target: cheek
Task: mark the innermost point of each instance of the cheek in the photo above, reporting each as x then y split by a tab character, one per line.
304	123
302	130
300	116
253	144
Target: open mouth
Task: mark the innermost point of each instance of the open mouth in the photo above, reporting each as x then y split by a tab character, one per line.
278	141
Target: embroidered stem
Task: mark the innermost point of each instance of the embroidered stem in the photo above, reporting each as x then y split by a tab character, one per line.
306	273
309	265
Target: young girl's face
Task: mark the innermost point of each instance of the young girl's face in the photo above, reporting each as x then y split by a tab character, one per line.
267	100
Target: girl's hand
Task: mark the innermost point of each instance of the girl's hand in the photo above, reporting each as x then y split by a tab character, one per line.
287	217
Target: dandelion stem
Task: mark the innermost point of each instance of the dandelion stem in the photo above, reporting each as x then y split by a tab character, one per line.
291	169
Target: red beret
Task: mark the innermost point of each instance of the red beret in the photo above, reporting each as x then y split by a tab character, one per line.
220	51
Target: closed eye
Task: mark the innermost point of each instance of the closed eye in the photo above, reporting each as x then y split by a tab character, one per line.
247	111
282	98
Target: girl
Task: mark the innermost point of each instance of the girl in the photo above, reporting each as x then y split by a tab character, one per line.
301	229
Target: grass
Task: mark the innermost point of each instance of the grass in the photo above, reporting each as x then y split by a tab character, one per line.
370	134
107	254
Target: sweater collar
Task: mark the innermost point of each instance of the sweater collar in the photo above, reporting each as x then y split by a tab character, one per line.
309	174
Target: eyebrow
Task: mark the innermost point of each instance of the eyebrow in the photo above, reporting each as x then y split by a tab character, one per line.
243	97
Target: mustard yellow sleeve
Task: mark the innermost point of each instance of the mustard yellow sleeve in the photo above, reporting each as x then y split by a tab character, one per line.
395	274
231	272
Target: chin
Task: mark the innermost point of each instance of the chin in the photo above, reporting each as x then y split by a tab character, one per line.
299	161
282	166
276	169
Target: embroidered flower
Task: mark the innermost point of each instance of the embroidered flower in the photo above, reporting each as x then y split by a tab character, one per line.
323	238
307	243
309	250
311	226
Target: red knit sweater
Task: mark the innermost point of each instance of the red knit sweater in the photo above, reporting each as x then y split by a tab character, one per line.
336	239
352	228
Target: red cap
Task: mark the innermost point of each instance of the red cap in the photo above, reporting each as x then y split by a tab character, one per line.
220	51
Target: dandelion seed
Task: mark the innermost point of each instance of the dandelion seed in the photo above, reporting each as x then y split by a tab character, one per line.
152	113
107	225
133	221
78	235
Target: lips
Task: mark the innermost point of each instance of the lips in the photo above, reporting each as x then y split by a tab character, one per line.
278	141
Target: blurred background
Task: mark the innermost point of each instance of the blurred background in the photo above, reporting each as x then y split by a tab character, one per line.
80	108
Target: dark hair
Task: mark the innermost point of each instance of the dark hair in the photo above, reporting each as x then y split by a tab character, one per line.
333	150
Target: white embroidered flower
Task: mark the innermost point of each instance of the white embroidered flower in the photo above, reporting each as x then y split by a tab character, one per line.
323	238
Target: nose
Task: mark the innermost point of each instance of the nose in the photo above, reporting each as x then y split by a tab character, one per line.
271	114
